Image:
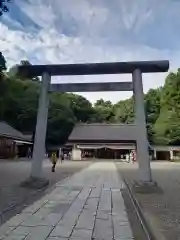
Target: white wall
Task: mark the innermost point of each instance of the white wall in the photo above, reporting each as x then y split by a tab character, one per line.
76	154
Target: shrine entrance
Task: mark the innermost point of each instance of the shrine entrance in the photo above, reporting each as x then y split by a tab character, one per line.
138	130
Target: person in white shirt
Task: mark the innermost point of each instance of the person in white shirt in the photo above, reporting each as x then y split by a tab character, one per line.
127	158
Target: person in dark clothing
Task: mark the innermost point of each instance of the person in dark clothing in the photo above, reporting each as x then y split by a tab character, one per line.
62	157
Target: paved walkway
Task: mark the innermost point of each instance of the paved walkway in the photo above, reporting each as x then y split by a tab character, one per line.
89	205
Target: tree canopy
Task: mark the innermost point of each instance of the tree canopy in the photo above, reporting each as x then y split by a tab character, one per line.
4	6
2	62
19	103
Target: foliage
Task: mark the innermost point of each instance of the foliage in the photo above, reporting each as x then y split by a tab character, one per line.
152	110
13	73
19	103
61	119
124	111
103	103
2	62
103	111
81	107
167	126
4	6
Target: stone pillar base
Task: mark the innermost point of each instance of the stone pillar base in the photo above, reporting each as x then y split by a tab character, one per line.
35	183
146	187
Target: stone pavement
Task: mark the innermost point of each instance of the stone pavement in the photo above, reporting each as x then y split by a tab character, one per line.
88	205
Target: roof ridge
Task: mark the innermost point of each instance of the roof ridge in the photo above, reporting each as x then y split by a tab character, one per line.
104	131
7	130
110	124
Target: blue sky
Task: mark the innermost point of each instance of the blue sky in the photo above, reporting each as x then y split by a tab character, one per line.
71	31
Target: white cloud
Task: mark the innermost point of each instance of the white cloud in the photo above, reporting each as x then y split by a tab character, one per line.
88	43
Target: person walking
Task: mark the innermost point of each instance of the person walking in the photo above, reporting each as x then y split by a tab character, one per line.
134	156
131	157
29	154
54	161
127	158
70	155
62	157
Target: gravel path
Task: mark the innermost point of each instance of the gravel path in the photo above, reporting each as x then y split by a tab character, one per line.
164	207
13	173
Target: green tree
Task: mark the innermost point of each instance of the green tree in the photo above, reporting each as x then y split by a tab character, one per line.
103	111
21	104
171	92
102	114
19	108
124	111
167	126
81	107
4	6
2	64
61	119
103	103
3	83
13	73
152	110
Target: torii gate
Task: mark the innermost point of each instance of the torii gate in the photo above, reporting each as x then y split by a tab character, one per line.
134	68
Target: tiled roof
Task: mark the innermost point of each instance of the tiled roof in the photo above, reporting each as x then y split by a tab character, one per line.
7	131
103	131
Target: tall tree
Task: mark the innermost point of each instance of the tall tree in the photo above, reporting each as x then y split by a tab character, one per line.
61	119
103	111
152	110
3	83
2	63
81	107
167	126
124	111
103	103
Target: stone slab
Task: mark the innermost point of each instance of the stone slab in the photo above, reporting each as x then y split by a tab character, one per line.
86	220
103	215
82	234
5	230
103	229
13	237
62	231
56	238
18	219
52	219
22	231
39	233
32	221
123	232
35	207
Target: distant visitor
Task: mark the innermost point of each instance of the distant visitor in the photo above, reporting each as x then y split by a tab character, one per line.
54	161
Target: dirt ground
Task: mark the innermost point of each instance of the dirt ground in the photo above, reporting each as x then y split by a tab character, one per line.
164	207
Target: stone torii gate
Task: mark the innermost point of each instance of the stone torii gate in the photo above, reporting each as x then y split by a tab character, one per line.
134	68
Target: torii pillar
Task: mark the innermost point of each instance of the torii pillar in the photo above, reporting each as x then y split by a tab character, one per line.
41	127
140	121
36	179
